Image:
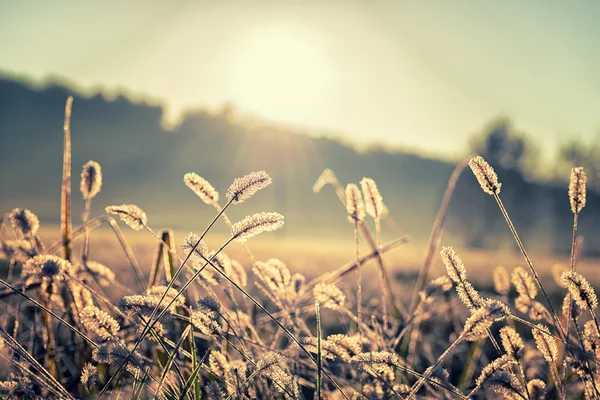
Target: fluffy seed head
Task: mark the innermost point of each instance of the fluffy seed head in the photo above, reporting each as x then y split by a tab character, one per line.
380	362
24	221
545	343
581	290
91	180
256	224
113	351
99	322
481	320
501	280
329	296
354	203
131	214
468	295
536	389
373	200
103	275
500	364
88	375
189	243
524	283
48	267
243	188
485	174
339	346
512	342
202	188
454	265
577	189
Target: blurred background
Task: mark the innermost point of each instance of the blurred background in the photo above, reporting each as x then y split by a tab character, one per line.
393	90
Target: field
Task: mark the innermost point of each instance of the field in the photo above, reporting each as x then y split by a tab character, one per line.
115	309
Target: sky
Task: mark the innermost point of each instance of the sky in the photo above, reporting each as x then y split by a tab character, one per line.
421	75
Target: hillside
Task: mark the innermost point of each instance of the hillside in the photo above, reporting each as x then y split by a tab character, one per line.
144	164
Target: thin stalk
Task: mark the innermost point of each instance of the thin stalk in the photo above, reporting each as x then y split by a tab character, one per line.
77	331
384	288
319	355
86	233
358	282
557	323
570	311
436	231
65	193
415	388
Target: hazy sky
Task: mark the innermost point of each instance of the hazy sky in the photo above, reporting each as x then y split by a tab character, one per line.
420	74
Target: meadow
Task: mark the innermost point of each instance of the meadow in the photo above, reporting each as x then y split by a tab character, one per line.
115	308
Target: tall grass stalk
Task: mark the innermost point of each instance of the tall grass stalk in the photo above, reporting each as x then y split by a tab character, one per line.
65	193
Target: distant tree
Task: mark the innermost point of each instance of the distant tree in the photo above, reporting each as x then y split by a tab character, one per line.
576	153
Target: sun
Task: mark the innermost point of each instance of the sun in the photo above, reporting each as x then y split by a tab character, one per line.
281	72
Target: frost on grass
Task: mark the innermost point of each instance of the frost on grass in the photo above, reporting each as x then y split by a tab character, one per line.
243	188
131	214
256	224
24	221
91	180
202	188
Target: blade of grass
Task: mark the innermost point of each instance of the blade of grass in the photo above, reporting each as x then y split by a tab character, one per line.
319	355
167	367
192	381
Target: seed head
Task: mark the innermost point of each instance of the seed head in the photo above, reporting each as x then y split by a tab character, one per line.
99	322
243	188
48	267
200	251
256	224
329	296
113	351
490	372
468	295
337	346
131	214
501	280
577	189
512	342
24	221
454	265
536	389
91	180
373	199
88	375
380	362
524	283
486	175
481	320
354	203
202	188
104	275
545	343
274	273
581	290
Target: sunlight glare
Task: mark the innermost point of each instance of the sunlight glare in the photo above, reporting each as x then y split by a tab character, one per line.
282	73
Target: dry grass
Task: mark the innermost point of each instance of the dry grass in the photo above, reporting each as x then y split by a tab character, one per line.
95	312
